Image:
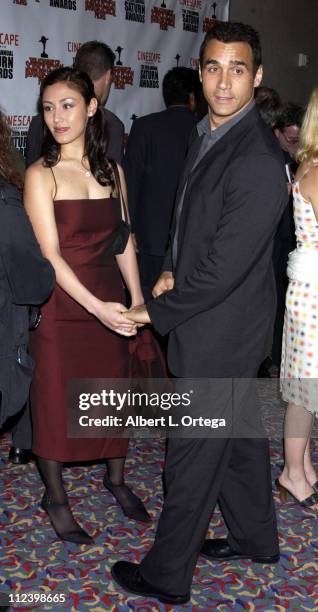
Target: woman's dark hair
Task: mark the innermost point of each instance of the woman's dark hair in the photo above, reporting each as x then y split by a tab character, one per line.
231	32
8	169
96	133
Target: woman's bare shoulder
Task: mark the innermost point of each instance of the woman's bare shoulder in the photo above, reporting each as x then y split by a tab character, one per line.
310	183
39	171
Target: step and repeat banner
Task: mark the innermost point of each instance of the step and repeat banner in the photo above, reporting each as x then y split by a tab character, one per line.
148	38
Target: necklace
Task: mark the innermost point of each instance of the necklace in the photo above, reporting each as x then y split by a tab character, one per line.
80	167
84	170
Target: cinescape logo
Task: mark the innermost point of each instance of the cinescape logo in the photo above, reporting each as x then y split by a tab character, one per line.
8	41
149	76
19	125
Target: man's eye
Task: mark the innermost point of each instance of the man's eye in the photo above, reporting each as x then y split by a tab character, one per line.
238	71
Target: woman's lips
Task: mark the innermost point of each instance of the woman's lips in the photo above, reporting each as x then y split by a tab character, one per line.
61	130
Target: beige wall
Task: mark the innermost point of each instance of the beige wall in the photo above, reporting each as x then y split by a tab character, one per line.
287	27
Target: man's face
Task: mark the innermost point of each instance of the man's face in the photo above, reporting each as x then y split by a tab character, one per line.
228	79
288	139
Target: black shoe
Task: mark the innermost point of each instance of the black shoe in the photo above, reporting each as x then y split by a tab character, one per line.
219	549
127	575
76	536
130	504
19	456
310	502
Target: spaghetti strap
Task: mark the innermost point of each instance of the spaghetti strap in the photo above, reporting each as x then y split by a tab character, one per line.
55	183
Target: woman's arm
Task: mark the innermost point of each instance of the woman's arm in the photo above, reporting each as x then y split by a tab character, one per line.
38	197
127	261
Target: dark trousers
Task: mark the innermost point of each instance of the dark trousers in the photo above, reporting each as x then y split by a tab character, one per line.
198	474
22	429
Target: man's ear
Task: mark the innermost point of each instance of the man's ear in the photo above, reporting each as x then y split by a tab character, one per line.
258	76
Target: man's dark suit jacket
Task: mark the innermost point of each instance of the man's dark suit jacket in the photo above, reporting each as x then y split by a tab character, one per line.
154	158
115	146
220	312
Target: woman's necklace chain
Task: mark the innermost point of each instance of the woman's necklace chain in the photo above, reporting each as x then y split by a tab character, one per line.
82	168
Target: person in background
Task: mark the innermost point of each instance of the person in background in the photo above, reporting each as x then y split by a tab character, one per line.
155	153
287	129
20	424
299	367
26	279
269	104
72	195
97	60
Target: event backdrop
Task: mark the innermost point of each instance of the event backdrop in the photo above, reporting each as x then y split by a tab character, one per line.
148	38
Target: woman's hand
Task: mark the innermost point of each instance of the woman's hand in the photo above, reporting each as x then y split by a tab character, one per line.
111	315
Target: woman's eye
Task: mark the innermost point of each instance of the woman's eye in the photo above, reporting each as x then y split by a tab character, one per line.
47	108
67	105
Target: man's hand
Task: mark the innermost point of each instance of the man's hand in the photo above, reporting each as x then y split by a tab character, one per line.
138	314
164	283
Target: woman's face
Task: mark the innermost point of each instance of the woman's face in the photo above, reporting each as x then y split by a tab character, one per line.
66	113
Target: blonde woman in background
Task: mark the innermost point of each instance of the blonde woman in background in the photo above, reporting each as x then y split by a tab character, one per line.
299	367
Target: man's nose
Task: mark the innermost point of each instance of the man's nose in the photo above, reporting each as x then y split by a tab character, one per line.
224	79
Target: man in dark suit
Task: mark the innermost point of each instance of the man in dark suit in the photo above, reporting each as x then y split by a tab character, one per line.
216	297
97	60
154	158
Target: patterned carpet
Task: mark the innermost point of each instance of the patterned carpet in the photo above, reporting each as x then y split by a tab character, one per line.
32	560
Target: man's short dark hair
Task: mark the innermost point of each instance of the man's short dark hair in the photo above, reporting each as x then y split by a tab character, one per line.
269	104
94	58
230	32
178	84
291	114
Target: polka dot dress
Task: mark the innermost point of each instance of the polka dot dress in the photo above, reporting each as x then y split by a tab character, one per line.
299	366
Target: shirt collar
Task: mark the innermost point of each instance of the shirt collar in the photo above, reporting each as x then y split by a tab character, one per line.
204	126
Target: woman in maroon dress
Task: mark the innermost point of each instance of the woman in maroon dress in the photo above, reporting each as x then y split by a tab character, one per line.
72	198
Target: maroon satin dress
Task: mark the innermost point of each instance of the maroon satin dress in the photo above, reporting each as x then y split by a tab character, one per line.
70	342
